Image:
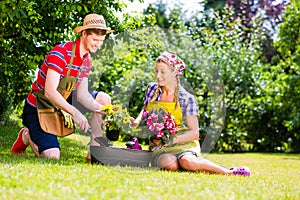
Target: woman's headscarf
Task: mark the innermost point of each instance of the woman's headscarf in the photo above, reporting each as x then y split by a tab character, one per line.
172	60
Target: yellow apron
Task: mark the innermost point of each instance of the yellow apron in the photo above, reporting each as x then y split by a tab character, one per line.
193	146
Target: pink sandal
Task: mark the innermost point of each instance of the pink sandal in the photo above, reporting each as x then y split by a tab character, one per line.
240	171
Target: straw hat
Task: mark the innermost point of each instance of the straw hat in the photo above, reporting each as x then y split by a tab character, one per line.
93	21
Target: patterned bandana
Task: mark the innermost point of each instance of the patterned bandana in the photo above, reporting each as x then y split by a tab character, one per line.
172	60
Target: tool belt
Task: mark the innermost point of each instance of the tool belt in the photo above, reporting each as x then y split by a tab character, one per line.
52	119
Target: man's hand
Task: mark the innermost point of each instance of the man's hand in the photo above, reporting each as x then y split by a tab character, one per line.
80	120
101	112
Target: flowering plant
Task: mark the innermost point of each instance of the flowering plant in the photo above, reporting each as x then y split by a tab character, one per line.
116	119
159	124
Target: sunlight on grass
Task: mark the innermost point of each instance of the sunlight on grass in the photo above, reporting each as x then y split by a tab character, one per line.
273	176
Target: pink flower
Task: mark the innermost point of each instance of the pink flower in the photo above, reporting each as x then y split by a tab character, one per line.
165	117
160	134
159	126
148	122
145	113
173	131
169	125
154	117
160	123
152	127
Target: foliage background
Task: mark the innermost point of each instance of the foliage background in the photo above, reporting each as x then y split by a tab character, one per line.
256	70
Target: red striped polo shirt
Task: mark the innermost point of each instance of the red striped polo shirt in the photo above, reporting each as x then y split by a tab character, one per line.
58	59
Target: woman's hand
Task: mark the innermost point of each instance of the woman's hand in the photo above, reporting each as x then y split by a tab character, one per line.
192	132
136	122
168	140
133	122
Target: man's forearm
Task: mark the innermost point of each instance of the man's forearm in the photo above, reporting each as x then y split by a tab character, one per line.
88	101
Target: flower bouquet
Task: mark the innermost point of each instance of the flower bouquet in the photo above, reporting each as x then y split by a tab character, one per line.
117	119
159	124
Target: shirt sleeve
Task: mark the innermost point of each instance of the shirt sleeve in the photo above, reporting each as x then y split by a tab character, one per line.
192	106
86	67
56	59
149	93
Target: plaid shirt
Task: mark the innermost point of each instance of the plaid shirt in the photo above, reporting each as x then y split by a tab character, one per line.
187	101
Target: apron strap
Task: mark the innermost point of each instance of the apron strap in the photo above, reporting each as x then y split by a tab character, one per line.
157	90
72	58
69	68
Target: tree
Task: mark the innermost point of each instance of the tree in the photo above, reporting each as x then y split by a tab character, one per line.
215	5
164	19
277	100
288	45
29	29
159	11
269	13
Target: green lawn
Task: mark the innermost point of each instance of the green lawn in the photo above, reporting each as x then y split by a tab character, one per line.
273	176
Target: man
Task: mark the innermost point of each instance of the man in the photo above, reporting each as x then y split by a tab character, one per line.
51	72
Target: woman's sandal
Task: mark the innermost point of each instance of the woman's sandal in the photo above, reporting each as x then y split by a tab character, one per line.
240	171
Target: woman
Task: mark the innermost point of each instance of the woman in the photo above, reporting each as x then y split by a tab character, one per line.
184	151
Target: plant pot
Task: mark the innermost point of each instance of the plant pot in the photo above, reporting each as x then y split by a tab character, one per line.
112	135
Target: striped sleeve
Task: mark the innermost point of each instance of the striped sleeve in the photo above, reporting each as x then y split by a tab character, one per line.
56	59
